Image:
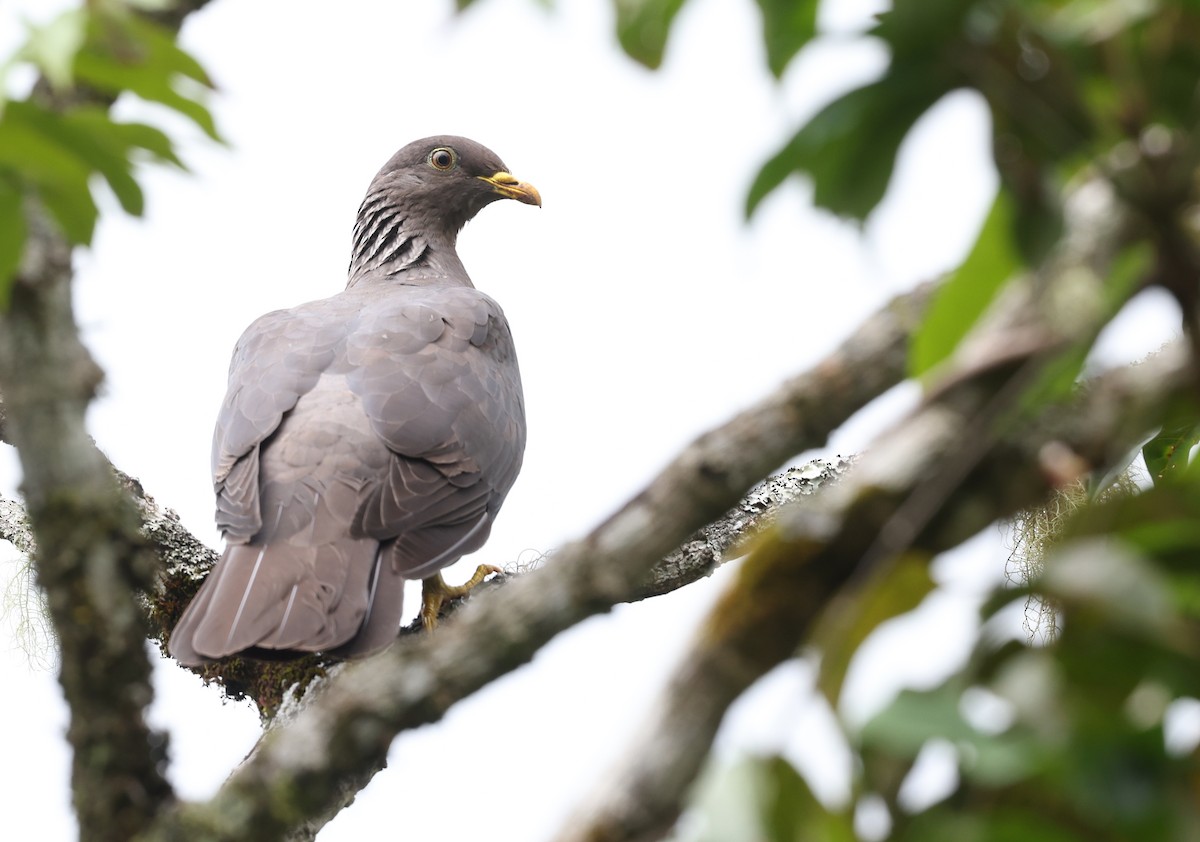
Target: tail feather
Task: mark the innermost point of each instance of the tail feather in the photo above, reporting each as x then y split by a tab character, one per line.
280	596
385	612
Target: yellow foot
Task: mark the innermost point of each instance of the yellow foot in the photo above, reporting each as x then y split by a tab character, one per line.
435	592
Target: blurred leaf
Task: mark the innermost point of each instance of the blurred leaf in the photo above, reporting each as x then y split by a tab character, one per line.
1159	523
88	134
152	140
25	149
849	148
643	27
135	55
57	152
911	27
762	800
1127	275
111	149
787	26
73	208
149	5
1093	21
916	717
1037	226
12	238
913	718
1099	484
1104	576
50	155
946	823
1059	377
1167	453
52	48
891	590
58	175
970	289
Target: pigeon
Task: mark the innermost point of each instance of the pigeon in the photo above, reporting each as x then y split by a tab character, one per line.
367	438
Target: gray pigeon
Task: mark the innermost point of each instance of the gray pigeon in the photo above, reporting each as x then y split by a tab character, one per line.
366	438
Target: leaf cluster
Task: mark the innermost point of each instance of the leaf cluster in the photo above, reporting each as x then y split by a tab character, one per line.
57	143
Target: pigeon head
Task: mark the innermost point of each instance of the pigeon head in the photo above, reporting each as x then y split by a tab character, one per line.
421	199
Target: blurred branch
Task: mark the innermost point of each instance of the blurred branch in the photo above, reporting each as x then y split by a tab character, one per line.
347	725
90	560
829	542
972	454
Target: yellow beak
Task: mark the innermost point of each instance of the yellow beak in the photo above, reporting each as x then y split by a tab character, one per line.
508	187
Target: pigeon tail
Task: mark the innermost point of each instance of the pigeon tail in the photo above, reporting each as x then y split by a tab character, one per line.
294	598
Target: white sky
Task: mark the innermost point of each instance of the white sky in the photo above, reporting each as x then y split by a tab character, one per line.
644	311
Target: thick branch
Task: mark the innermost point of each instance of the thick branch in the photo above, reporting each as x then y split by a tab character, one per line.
301	769
91	560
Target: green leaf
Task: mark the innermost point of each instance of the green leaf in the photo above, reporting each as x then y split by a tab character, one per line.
87	133
947	823
73	208
12	237
762	800
916	717
1107	577
52	48
911	27
1167	453
1099	484
86	140
1091	22
1127	275
1058	377
891	590
969	290
643	27
849	148
787	26
150	139
150	5
129	54
110	148
57	175
25	149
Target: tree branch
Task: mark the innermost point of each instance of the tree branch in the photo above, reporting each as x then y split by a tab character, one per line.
90	559
830	541
709	547
966	458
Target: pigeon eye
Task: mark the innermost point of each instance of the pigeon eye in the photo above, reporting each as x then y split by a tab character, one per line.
443	158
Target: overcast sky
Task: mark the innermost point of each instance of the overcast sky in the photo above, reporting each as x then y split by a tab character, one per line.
644	310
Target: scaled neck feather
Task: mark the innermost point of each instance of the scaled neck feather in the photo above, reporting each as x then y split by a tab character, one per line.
389	245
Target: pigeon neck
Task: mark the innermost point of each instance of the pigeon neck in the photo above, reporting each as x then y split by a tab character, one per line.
387	246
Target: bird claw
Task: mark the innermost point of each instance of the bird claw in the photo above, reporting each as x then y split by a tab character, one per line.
435	593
